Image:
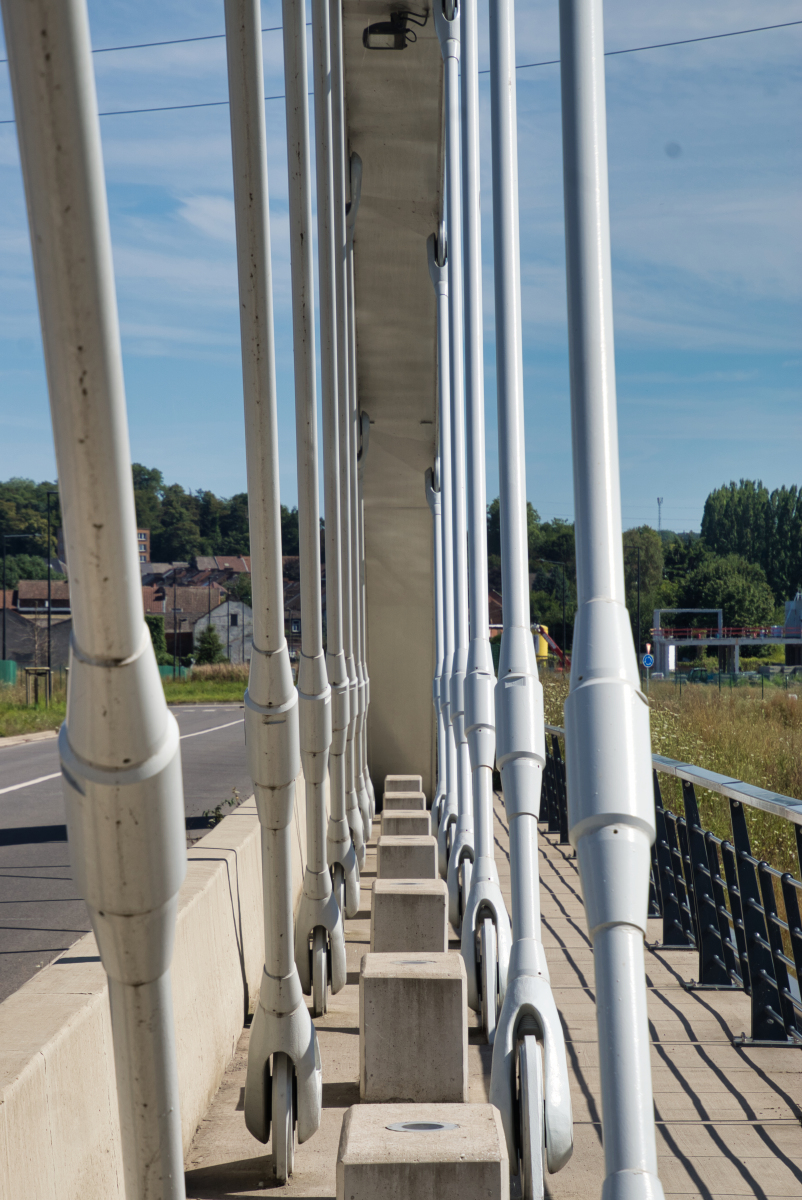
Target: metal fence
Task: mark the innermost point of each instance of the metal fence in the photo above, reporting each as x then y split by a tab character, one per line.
740	915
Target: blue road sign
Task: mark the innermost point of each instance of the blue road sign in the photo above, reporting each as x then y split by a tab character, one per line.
648	661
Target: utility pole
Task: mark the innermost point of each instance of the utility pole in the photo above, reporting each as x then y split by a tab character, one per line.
637	636
659	513
7	537
49	590
175	619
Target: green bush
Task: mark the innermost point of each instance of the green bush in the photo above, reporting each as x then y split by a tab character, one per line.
155	624
210	648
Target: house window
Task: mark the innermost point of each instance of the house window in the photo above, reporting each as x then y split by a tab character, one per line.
234	619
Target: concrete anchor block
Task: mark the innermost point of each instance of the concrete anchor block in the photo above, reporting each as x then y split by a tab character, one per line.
392	801
409	915
403	783
407	857
406	822
466	1160
413	1028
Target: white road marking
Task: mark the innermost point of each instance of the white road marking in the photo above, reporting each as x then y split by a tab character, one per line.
213	729
16	787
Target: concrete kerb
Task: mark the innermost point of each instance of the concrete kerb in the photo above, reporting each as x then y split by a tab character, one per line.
57	1080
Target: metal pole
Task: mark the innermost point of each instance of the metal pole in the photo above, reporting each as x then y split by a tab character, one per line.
175	618
520	736
319	922
611	807
433	498
637	627
282	1034
437	252
363	436
485	896
7	537
348	552
565	647
339	845
461	855
117	715
49	587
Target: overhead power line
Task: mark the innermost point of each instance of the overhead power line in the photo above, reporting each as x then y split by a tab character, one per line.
209	37
550	62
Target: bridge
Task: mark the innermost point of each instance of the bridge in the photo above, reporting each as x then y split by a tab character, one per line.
430	956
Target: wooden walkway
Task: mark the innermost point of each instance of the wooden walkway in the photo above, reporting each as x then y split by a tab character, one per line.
728	1119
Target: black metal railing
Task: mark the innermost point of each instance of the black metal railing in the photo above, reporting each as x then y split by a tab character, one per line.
737	913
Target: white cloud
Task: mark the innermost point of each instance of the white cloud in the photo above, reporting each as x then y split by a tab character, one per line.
212	215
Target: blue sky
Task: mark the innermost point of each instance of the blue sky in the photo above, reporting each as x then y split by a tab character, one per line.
704	151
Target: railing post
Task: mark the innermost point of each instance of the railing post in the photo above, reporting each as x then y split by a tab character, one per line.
713	972
671	884
768	1025
729	858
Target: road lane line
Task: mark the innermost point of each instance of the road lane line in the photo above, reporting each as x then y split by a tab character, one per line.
213	729
16	787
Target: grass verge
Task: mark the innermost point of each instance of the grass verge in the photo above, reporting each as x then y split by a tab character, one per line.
734	733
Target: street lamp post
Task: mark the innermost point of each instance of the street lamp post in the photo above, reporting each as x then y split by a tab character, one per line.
8	537
49	590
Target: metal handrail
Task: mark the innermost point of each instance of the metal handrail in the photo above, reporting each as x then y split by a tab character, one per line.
726	785
714	896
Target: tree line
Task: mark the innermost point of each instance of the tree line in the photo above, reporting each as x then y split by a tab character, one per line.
747	558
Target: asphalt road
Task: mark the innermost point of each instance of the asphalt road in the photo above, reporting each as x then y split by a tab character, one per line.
40	913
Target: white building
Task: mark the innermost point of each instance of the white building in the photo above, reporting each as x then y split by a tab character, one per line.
233	620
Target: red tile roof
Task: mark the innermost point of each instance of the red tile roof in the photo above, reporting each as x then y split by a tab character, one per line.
36	589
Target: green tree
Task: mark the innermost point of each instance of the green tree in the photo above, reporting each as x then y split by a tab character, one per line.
23	509
148	492
289	531
234	527
765	528
733	584
242	589
155	623
210	648
26	566
179	538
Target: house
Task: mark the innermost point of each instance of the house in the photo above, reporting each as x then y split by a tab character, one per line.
494	609
26	640
30	597
183	606
233	621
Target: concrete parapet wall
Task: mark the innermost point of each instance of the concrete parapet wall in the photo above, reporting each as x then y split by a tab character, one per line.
59	1129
